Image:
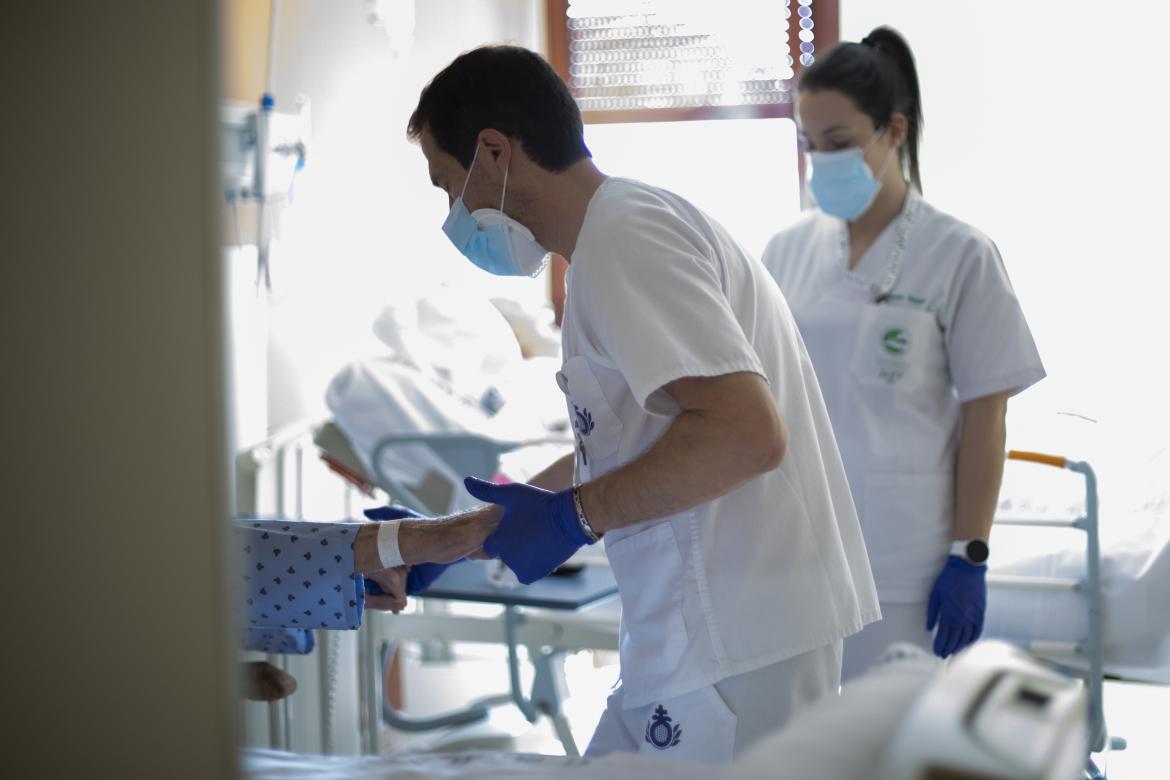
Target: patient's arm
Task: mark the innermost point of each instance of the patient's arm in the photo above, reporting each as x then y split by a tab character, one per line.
440	540
447	539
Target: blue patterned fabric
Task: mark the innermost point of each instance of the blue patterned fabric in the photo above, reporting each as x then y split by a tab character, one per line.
287	641
298	575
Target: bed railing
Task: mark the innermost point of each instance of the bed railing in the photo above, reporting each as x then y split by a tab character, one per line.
1091	647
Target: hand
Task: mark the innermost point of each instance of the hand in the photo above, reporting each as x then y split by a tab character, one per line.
386	589
539	530
392	512
958	603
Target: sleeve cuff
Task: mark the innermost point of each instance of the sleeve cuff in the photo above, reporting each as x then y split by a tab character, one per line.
649	397
1015	383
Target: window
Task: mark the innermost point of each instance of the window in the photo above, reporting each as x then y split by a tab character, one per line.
633	63
669	60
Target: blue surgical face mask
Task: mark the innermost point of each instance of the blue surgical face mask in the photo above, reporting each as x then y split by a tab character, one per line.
842	183
491	239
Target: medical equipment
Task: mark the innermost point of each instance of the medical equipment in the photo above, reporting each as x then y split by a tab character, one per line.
1090	648
262	152
997	715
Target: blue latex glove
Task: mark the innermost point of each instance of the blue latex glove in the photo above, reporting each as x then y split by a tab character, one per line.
392	512
421	575
958	603
539	530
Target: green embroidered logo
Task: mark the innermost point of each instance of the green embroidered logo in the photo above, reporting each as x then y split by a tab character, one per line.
896	341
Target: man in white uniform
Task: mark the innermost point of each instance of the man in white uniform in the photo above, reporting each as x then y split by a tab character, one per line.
705	455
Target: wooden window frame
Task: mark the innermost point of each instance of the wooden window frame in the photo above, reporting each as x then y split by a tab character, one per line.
828	31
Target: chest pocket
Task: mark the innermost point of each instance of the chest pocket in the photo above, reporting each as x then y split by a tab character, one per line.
597	430
898	348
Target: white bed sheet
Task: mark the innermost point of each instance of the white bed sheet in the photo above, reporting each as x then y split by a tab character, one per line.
1133	474
275	765
1135	583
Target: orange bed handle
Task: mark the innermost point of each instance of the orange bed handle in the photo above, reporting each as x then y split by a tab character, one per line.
1038	457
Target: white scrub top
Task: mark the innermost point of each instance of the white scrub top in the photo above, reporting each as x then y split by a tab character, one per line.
894	374
658	291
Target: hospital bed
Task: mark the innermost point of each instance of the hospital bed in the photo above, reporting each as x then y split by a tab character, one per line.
416	436
994	713
1090	648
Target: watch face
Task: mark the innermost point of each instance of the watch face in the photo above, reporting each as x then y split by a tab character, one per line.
977	551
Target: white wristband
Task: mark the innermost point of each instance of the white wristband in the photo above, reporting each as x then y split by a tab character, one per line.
388	551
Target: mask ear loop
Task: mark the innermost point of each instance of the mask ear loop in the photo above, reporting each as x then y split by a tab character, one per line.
505	191
470	168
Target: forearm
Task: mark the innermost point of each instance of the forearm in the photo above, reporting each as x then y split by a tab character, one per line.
441	540
699	458
979	471
556	477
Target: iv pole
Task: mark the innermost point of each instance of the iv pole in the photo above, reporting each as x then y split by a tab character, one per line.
263	122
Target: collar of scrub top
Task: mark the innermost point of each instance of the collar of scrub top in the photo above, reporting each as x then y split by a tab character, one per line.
881	291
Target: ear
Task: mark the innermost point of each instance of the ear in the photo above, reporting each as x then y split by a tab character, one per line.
899	129
496	149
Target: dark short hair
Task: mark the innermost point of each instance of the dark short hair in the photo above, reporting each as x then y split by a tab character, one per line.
880	75
505	88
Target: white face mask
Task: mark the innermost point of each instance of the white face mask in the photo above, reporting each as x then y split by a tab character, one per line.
491	239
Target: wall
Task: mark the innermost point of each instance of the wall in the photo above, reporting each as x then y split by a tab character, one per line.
1044	128
364	228
115	657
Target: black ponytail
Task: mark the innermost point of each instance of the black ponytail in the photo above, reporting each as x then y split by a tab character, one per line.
879	75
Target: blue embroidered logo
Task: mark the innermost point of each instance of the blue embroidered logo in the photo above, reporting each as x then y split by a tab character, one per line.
659	732
584	422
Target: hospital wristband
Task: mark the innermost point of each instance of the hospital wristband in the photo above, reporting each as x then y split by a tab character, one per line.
583	521
388	552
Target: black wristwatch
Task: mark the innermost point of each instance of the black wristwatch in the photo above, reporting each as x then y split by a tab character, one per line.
973	551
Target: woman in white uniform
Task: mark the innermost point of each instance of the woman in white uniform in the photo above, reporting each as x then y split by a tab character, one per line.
917	340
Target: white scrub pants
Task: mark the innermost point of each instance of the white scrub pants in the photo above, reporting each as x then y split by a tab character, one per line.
717	723
899	623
